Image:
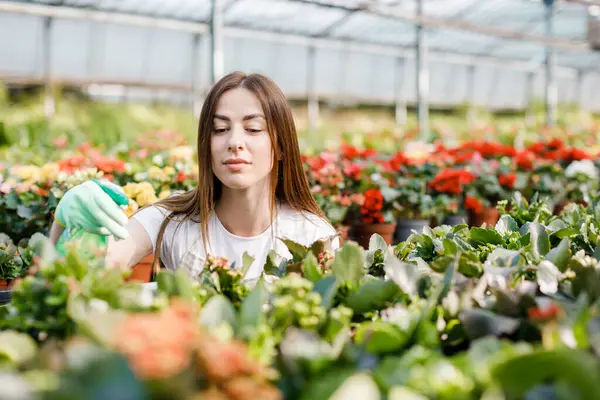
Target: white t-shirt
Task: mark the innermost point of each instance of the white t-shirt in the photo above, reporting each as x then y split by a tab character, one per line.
182	241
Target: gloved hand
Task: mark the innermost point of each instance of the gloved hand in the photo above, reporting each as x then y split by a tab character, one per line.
94	206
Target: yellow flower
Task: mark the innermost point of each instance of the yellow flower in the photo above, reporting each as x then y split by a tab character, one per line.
131	190
50	171
145	198
168	171
132	207
182	153
26	172
155	173
164	194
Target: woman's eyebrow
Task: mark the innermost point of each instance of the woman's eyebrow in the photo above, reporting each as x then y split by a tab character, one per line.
246	117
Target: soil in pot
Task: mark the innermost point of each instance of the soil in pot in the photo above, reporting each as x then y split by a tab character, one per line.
361	233
404	228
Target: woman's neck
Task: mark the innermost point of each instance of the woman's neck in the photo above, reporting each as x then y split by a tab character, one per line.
245	212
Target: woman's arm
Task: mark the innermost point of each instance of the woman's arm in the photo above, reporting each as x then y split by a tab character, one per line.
128	252
55	231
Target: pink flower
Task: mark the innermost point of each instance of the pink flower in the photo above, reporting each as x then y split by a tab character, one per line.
5	188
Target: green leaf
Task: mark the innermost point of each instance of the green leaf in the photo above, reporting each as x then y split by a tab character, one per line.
450	247
576	367
560	255
485	236
18	348
297	250
566	232
469	265
24	212
381	337
479	323
310	268
373	295
376	242
271	267
251	313
216	311
247	261
323	386
503	258
506	224
404	393
358	386
539	239
405	275
547	277
349	263
327	287
12	200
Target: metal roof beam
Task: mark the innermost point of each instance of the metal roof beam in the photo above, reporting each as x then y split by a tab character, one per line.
440	23
267	35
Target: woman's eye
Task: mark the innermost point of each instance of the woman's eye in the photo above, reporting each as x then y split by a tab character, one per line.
220	130
254	130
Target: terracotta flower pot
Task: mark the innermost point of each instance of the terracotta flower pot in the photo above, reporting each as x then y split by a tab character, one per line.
6	284
142	271
489	215
361	233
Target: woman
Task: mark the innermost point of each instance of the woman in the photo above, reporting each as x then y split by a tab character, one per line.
251	191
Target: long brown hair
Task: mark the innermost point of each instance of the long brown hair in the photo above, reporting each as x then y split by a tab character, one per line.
289	184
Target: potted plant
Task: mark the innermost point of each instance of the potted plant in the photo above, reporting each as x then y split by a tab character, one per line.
448	188
15	261
493	183
581	182
375	215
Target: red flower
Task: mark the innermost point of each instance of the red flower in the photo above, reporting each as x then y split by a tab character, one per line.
349	152
180	176
397	161
574	154
352	171
451	181
508	180
372	206
524	160
544	314
474	205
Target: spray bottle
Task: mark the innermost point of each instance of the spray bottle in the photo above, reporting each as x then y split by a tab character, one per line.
89	244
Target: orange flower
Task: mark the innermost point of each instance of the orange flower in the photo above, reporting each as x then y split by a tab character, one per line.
158	345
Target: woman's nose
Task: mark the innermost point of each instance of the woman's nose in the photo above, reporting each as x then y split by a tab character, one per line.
236	141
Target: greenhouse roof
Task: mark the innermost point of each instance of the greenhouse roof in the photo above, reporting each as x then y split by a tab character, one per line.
471	31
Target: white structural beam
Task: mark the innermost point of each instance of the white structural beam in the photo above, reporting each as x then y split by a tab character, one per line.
551	88
216	42
422	78
401	114
312	92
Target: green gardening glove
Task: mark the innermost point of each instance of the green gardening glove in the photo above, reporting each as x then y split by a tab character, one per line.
95	207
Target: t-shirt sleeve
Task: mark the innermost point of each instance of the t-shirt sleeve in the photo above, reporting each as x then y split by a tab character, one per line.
151	218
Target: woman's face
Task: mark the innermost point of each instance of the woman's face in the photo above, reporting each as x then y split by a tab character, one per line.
240	143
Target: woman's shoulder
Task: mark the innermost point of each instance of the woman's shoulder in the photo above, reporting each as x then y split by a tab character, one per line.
304	225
